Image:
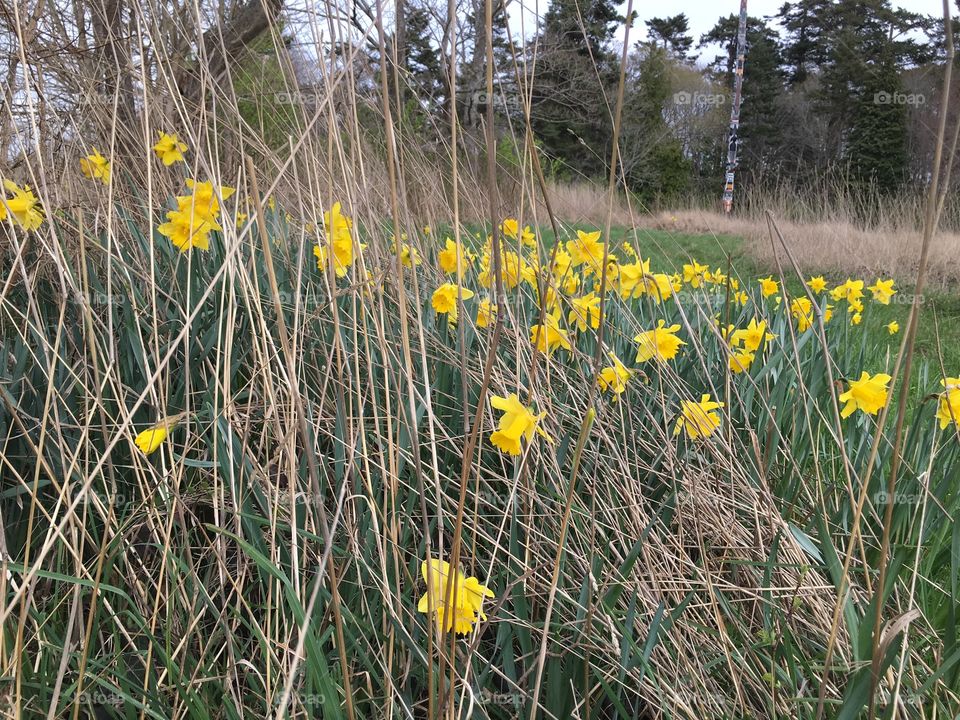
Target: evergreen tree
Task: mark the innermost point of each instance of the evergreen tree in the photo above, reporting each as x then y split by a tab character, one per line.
805	24
575	73
761	124
654	161
671	33
876	144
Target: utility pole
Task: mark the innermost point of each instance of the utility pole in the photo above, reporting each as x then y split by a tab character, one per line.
733	138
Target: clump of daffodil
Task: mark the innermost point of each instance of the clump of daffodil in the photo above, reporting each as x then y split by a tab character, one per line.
96	167
517	422
948	405
585	311
452	256
660	344
587	250
882	291
22	206
817	284
189	226
152	438
868	394
457	602
768	286
752	336
445	299
850	290
550	336
694	274
513	269
486	313
614	377
337	242
698	419
169	149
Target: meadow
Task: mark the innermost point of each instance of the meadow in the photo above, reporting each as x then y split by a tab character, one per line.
321	400
244	448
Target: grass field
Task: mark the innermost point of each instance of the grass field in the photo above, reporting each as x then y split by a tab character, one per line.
233	474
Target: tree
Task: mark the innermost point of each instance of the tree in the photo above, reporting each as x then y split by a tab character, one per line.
671	33
575	73
877	141
655	164
761	122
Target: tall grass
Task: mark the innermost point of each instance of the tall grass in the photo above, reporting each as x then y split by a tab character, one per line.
265	561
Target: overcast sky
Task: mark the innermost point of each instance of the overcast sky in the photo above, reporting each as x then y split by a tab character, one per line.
703	14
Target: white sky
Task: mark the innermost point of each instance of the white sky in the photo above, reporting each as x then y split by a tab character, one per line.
703	14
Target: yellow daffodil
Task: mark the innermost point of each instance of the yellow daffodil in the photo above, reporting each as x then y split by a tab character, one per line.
486	313
462	607
817	284
585	310
948	406
337	241
190	225
660	344
587	250
694	274
802	310
855	320
882	291
510	228
451	255
868	394
550	336
698	419
169	149
23	206
517	422
893	327
753	336
613	378
740	361
96	167
528	237
152	438
631	276
445	299
768	286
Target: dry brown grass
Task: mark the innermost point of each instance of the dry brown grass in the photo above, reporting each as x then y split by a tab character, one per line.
837	246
